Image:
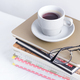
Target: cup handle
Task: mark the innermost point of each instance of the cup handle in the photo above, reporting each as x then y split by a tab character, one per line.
68	21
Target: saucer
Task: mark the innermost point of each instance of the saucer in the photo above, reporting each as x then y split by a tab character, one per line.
65	33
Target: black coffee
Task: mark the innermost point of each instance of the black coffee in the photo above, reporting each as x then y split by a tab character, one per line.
51	16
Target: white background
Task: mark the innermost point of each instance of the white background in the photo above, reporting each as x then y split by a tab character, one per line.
23	9
26	8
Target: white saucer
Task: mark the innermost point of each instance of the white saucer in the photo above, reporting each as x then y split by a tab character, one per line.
65	33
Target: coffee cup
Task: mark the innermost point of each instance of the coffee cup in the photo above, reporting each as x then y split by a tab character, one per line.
52	19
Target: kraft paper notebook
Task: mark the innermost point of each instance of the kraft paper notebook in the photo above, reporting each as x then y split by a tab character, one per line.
24	33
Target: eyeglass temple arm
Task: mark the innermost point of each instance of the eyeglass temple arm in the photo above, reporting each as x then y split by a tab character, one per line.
56	55
71	47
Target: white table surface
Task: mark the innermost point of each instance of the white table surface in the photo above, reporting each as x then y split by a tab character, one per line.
7	70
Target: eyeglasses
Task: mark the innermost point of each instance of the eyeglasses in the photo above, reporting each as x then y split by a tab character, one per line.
65	50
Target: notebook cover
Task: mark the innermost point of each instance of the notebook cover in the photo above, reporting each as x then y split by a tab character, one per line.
23	32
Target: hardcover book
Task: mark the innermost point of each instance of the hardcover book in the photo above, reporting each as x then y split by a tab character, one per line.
24	33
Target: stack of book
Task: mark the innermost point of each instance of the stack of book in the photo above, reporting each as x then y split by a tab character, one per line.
32	54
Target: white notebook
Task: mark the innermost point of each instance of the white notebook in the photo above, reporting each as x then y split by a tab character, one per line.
30	62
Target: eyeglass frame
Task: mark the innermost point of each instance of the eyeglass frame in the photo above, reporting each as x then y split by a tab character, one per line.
61	49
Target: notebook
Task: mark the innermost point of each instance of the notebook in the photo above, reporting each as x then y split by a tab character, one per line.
40	71
28	61
69	68
23	32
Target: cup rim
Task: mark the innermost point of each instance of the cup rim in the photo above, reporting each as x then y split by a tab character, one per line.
52	6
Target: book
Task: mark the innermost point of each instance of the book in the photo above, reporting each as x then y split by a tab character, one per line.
37	70
24	59
23	32
70	68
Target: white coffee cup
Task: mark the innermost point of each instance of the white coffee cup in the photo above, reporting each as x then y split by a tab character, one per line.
52	27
